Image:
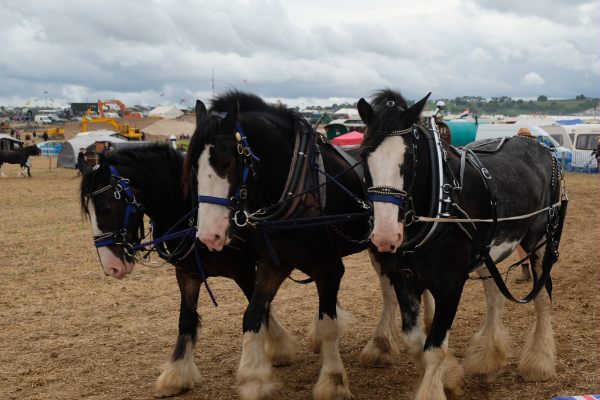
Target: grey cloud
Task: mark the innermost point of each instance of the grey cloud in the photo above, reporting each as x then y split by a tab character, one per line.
137	50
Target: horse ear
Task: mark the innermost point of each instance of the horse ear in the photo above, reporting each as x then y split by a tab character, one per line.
200	111
415	110
365	110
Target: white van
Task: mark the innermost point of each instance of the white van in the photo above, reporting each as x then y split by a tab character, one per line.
585	140
42	120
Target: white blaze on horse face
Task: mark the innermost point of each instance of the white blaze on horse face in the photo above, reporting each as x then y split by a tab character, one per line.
384	166
111	264
213	219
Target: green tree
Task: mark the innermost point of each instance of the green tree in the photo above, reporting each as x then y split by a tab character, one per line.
542	98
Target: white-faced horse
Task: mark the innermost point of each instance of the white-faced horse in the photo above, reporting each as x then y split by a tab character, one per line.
441	213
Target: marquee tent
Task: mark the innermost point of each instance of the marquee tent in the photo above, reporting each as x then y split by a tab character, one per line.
67	158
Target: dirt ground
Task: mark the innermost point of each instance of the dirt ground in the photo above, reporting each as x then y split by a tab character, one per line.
69	332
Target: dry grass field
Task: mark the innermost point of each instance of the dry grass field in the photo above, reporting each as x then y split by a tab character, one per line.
69	332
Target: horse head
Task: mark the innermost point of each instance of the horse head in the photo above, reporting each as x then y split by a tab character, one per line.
213	155
237	139
388	150
115	216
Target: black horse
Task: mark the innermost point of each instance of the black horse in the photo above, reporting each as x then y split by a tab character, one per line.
147	180
257	169
19	156
415	192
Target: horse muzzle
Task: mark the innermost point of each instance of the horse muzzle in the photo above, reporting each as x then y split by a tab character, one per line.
389	238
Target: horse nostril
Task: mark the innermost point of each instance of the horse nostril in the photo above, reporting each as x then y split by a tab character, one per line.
392	247
217	237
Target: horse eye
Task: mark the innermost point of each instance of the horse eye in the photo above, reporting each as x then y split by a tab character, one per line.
103	207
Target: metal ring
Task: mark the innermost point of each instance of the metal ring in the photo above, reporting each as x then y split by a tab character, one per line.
244	220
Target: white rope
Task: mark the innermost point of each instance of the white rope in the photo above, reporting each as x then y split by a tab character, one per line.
458	220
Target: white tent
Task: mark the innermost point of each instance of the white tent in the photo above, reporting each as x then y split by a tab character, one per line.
165	112
8	142
67	158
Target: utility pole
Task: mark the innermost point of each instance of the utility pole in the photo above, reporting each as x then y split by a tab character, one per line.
46	96
213	83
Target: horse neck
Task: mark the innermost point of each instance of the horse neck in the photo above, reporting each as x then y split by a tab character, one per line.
161	195
272	170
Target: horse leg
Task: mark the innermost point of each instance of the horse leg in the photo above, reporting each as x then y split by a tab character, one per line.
332	319
539	356
280	346
489	348
2	174
254	375
383	346
20	173
442	375
181	372
428	310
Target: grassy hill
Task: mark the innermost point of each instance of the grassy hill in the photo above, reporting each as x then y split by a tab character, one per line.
510	107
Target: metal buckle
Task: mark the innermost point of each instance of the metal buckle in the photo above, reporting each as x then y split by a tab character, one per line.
416	132
240	218
486	173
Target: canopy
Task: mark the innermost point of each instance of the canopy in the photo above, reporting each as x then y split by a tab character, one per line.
67	158
353	138
9	143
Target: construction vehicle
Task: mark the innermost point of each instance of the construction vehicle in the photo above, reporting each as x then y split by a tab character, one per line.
124	110
125	130
55	133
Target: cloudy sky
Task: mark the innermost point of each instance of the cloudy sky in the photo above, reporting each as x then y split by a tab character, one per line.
300	51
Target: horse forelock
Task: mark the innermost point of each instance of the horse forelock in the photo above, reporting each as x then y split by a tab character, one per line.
388	106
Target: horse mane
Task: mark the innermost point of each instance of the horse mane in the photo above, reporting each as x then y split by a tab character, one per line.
247	103
382	97
155	162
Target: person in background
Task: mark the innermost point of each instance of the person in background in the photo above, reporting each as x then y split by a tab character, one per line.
45	137
596	153
107	148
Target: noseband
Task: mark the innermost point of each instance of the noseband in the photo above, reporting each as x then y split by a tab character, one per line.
122	191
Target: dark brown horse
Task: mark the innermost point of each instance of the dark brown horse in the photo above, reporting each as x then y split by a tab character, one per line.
129	183
19	156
